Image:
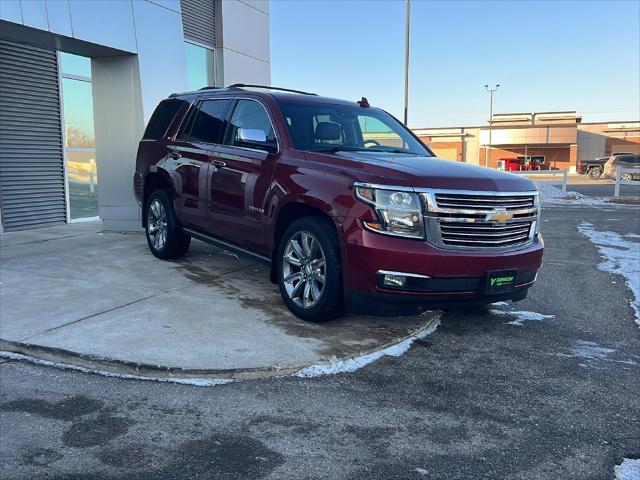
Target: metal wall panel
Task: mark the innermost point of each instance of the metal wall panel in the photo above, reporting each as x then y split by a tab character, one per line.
199	21
32	192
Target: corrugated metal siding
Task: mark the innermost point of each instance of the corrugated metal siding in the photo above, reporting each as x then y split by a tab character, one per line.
199	21
31	157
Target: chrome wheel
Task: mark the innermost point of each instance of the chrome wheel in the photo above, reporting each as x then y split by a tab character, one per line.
157	224
304	269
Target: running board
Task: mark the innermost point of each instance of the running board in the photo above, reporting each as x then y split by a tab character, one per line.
226	245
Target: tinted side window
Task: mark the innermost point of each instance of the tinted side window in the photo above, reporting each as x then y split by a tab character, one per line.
161	119
208	123
251	115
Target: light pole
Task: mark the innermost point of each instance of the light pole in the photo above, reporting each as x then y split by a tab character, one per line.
406	67
490	90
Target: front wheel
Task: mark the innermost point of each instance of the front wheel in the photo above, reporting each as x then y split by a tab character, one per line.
164	235
309	270
595	173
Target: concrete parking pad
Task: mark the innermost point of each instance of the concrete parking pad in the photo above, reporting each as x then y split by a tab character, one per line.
98	299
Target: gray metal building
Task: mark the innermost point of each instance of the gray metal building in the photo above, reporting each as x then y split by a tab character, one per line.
79	79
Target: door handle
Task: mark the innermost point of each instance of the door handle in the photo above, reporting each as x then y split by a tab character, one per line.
218	163
175	154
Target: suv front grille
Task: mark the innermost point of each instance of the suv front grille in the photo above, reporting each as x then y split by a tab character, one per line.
465	221
482	202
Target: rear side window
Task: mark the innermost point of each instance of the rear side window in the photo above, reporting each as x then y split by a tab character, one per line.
208	123
161	119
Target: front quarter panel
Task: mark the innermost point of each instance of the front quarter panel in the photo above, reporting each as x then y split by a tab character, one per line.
296	181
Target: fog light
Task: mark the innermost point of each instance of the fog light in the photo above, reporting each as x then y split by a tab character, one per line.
394	281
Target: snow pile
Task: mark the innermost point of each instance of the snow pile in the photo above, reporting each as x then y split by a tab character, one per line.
629	469
356	363
550	195
622	257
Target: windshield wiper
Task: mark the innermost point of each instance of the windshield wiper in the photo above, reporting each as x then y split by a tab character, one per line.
392	150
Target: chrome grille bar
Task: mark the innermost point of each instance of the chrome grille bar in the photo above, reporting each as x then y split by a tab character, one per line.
462	219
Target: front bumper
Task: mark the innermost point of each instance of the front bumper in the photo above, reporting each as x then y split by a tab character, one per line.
455	277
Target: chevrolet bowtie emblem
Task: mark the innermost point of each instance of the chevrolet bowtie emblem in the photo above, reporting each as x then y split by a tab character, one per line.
499	215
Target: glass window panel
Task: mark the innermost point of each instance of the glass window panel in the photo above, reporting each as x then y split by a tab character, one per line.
376	132
75	65
199	66
82	178
251	115
78	113
321	126
209	123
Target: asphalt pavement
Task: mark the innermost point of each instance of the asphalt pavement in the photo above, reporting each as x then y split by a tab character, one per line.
543	389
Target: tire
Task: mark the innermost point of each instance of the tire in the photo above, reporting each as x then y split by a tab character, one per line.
595	173
163	232
304	294
626	176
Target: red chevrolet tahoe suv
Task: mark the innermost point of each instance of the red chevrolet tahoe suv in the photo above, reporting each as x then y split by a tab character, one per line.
346	204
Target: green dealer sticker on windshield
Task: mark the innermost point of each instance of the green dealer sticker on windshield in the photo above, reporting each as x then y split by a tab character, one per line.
500	281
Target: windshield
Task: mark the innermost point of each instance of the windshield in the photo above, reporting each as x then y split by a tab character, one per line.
326	127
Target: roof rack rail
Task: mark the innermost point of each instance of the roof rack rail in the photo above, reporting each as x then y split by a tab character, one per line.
242	85
215	88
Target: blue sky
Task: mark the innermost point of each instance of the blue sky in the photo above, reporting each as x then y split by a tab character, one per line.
547	56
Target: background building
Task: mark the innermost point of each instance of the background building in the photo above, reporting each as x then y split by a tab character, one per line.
78	81
556	139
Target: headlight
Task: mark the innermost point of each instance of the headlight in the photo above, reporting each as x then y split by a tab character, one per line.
399	212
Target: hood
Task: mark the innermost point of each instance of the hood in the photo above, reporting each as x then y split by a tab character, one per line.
432	172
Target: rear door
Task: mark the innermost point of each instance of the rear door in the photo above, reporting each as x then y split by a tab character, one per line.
240	175
189	159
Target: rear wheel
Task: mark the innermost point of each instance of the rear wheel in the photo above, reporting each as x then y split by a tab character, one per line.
595	173
164	235
309	270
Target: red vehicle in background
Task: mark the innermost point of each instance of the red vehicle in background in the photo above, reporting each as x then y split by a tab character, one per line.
520	164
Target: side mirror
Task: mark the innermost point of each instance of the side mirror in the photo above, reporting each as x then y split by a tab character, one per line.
251	135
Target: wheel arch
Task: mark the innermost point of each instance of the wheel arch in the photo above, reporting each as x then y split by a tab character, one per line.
287	214
157	180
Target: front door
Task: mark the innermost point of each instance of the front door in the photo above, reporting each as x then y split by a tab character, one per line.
241	172
189	159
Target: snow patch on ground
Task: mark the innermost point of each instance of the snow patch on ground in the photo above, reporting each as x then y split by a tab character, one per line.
590	350
197	382
594	355
551	195
352	364
521	315
629	469
622	257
